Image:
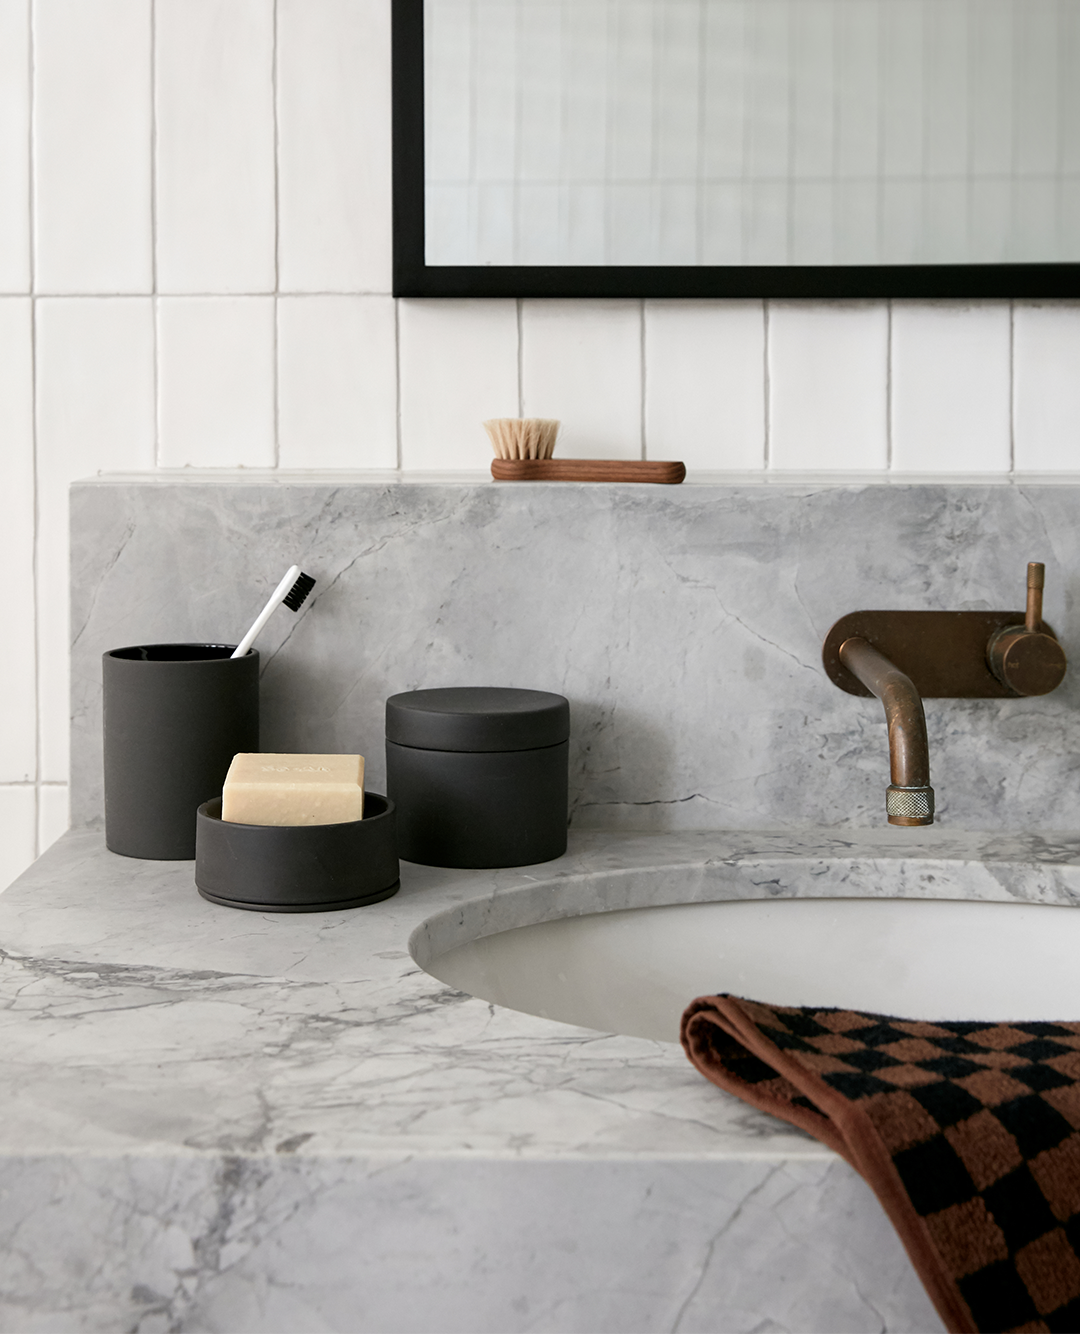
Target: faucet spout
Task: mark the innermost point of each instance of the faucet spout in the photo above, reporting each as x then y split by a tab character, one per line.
909	800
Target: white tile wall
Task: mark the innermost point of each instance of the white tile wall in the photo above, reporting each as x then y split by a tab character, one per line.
18	723
14	145
337	382
216	381
581	361
459	366
215	176
95	412
334	145
705	383
828	374
201	275
1046	387
951	387
92	146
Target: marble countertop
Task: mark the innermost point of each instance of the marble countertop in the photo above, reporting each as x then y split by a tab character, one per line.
139	1019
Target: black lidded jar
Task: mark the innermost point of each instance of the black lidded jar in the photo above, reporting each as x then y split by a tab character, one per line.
478	775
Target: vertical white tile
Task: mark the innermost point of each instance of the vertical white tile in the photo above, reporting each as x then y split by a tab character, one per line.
950	386
828	377
95	412
92	146
458	367
705	383
333	88
17	822
14	145
581	363
54	814
337	373
216	382
215	146
1046	386
18	736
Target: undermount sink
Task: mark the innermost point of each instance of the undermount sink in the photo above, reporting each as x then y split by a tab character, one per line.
634	971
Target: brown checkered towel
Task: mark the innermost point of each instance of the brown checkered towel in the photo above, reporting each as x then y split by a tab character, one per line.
969	1133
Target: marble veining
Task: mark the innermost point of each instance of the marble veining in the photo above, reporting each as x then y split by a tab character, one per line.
683	623
267	1122
237	1122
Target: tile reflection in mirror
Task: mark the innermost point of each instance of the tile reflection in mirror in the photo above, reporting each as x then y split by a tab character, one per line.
751	132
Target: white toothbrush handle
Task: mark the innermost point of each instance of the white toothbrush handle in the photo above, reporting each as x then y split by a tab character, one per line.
276	598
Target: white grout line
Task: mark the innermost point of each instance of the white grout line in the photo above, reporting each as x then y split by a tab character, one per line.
35	592
155	291
31	173
156	334
153	149
154	232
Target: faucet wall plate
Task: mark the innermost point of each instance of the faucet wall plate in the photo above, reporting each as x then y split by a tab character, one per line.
943	652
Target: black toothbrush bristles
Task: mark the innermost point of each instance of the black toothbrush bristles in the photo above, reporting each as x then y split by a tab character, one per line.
294	598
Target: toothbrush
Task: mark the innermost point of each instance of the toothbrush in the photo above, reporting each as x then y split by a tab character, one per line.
292	590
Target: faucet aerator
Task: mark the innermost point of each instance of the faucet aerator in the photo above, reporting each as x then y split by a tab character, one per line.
909	805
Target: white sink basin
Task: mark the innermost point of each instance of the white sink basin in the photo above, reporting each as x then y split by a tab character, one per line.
635	971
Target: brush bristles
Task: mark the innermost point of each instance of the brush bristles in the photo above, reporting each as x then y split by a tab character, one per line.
522	437
294	598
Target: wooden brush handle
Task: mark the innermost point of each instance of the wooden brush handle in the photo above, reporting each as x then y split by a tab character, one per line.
586	470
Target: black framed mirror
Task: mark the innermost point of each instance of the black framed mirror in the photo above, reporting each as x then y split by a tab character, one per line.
736	148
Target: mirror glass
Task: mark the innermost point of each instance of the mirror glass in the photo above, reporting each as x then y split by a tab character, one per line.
751	132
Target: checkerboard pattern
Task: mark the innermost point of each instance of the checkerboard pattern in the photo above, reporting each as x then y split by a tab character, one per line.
968	1132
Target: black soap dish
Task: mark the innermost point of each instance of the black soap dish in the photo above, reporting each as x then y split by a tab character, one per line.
297	868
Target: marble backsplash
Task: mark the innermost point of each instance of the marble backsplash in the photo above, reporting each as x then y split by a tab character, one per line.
683	623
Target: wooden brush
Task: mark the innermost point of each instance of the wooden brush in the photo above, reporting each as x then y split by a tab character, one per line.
522	437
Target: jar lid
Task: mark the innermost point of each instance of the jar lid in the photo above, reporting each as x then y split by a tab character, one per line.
477	718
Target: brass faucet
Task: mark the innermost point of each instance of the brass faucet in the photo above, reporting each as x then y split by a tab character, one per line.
909	798
904	657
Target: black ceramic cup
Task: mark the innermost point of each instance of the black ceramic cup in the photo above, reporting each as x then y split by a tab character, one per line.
297	868
174	717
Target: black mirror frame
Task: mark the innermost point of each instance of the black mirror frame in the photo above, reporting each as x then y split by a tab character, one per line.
414	277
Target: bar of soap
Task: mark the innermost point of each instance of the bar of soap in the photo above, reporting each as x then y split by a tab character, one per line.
293	789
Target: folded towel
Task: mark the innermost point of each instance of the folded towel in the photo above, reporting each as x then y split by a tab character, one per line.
969	1134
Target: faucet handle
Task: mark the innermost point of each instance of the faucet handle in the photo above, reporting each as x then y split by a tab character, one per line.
1025	658
1036	580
